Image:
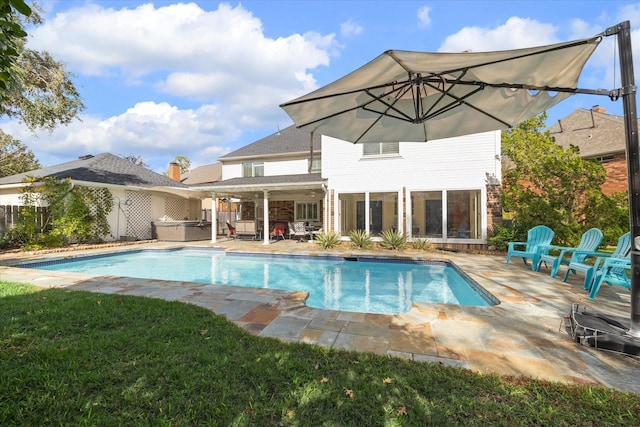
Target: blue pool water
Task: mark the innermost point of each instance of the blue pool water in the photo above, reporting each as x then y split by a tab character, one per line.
368	285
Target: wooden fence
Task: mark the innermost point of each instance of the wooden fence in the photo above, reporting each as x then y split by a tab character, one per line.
9	216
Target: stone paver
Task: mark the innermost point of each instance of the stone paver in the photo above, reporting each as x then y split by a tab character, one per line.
523	335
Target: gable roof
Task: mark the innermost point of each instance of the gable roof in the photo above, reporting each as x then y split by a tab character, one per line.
104	168
286	141
593	131
206	174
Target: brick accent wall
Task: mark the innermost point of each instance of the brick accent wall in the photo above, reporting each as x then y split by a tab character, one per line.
616	174
494	206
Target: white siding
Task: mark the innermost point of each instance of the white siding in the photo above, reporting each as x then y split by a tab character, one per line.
453	163
271	168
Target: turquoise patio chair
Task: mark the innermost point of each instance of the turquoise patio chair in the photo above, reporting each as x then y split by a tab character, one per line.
614	271
537	237
589	268
590	241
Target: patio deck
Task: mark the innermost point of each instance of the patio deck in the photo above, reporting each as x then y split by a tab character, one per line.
520	336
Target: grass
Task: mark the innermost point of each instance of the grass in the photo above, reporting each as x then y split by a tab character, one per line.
81	358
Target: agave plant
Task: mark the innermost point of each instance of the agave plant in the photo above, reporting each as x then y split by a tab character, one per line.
421	244
393	239
360	239
328	239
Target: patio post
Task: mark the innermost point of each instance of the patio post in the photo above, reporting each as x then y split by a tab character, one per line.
214	217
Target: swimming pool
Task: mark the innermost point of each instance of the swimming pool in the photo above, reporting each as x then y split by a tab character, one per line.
370	285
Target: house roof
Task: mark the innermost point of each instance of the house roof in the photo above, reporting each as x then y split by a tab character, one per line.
104	168
593	131
269	183
206	174
286	141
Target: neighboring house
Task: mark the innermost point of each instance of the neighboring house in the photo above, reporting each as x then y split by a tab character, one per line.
445	190
599	136
140	196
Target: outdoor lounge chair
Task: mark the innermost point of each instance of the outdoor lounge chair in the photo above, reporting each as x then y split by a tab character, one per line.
614	271
231	231
299	229
278	231
589	268
537	237
590	241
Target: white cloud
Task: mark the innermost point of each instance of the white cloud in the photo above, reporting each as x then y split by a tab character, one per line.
219	58
424	20
150	130
515	33
350	29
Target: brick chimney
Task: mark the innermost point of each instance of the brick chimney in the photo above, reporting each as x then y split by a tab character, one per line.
174	171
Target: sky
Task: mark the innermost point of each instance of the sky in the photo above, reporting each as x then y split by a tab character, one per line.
199	79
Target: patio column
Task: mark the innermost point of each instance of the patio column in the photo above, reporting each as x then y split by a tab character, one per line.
265	211
214	217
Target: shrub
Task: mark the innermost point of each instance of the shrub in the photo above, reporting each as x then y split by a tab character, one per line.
421	244
360	239
501	235
328	239
394	240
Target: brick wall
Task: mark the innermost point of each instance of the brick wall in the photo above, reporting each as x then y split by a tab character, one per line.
494	206
617	179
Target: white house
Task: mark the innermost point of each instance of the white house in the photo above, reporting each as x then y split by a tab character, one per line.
445	190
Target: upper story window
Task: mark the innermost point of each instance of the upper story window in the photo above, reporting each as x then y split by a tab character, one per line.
316	165
251	169
380	148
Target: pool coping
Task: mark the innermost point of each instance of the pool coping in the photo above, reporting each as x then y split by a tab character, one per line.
521	336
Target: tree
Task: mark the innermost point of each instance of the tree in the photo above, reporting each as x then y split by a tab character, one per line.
136	160
11	38
15	157
38	90
183	162
546	184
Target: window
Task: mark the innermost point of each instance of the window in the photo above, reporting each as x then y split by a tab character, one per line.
380	148
251	169
316	165
604	159
306	211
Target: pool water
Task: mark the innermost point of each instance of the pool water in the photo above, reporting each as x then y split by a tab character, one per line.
369	285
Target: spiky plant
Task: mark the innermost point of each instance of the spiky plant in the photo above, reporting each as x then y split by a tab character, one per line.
360	239
421	244
327	239
394	240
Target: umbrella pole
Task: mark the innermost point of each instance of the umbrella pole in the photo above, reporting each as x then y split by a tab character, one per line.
623	31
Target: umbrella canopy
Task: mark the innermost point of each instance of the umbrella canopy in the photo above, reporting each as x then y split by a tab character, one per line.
419	96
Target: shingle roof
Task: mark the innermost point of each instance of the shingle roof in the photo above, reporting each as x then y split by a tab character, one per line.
271	180
595	133
104	168
288	140
206	174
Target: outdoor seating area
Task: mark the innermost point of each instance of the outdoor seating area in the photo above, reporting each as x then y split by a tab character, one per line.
598	267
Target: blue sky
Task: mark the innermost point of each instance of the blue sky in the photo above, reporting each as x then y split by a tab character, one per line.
162	79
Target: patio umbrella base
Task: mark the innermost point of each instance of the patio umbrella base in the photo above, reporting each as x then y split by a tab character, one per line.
601	331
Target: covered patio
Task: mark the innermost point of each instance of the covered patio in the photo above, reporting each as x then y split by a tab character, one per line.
271	200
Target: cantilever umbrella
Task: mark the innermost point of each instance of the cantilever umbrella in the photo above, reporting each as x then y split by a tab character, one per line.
419	96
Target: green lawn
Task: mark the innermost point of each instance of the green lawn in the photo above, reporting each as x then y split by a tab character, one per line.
79	358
